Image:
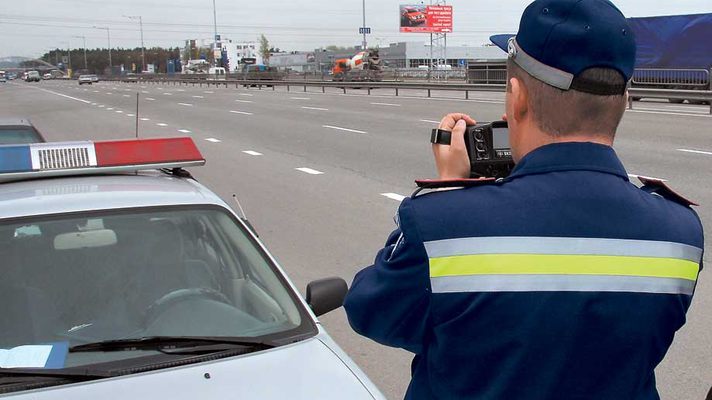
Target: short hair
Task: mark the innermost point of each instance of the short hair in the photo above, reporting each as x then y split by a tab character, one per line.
567	112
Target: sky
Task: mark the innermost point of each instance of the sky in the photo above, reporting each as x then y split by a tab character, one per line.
31	27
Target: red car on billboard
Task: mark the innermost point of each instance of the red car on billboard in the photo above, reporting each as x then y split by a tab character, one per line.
425	19
412	16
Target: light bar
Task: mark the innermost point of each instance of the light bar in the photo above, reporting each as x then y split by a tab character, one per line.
79	158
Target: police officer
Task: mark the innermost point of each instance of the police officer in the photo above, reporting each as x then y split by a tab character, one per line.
564	280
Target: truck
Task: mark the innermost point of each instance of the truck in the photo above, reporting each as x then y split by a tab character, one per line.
673	52
365	66
260	72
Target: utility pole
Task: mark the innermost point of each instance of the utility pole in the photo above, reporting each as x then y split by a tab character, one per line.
364	45
85	49
215	34
108	39
143	48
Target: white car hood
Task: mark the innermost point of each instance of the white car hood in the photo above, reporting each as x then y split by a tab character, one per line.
304	370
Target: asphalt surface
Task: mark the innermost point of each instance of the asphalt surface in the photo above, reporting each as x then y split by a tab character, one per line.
320	176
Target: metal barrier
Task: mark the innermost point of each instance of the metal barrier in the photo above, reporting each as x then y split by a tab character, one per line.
672	78
690	95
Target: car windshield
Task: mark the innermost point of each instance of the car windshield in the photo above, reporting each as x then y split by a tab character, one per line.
18	135
127	274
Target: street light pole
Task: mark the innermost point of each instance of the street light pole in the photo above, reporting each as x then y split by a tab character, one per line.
143	52
215	34
363	45
108	39
85	49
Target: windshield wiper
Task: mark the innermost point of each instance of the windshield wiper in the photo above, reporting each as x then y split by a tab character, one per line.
64	373
176	344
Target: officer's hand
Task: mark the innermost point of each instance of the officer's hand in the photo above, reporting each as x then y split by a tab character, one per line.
452	161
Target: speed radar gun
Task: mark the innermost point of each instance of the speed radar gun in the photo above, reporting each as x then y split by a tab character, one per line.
487	147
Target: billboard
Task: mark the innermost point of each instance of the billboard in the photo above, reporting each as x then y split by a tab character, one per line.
425	19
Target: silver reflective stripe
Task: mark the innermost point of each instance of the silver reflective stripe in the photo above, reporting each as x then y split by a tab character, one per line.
561	245
553	76
561	283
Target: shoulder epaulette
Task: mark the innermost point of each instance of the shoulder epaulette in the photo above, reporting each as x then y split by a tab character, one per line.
659	187
450	184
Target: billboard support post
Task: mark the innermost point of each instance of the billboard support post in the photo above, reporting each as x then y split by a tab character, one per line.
363	45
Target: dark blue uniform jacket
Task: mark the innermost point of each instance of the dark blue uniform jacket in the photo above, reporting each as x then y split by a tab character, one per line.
565	281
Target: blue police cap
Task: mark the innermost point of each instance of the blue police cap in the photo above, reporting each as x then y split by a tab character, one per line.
559	39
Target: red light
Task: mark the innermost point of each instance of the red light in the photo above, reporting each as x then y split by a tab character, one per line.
146	151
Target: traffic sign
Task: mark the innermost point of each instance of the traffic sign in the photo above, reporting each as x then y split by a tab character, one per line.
367	31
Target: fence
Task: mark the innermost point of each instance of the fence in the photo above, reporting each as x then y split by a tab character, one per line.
672	78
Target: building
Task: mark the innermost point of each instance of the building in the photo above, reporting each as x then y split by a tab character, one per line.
298	61
236	53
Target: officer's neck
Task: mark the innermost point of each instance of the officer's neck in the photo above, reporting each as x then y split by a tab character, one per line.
535	138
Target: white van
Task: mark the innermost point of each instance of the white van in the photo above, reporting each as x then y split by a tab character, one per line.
217	74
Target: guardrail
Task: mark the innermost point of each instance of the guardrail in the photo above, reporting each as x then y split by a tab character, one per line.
680	78
668	94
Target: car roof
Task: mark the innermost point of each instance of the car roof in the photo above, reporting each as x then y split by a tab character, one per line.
101	192
9	121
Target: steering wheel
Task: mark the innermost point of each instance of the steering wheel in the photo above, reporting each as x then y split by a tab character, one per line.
178	296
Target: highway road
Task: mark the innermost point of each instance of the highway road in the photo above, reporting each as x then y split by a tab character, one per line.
320	176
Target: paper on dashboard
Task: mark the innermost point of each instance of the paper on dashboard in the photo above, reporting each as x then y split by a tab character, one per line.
29	356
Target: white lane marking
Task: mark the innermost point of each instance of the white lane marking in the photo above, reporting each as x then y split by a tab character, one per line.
181	90
183	131
130	115
119	112
386	104
671	109
168	94
696	151
299	98
240	112
101	106
109	92
210	139
145	119
161	124
670	113
252	152
648	177
393	196
199	97
309	171
109	108
185	104
150	98
208	92
245	94
316	108
342	129
95	91
243	101
145	91
126	95
430	121
93	104
64	95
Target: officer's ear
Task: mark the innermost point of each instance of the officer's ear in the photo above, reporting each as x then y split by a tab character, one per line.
519	99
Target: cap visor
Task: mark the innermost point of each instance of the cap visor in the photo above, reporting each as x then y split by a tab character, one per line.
502	41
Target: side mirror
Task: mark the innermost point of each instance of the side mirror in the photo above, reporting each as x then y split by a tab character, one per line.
326	295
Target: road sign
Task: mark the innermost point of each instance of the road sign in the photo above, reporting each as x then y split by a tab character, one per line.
367	31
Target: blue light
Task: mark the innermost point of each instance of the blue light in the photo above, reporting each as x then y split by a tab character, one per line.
15	159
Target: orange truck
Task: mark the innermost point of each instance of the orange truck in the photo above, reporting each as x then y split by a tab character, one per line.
365	66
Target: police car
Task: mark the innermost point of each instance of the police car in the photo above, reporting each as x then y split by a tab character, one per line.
122	276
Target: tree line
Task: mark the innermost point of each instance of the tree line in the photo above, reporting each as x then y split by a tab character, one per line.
97	60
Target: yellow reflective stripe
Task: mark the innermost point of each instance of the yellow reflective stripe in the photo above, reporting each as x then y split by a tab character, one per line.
546	264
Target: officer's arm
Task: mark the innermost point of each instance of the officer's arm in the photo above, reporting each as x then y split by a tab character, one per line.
389	301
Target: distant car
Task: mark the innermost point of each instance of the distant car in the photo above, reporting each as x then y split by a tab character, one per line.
18	131
11	76
94	79
87	79
3	78
47	76
33	76
412	16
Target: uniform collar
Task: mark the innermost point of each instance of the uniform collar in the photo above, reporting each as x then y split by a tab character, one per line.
570	156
